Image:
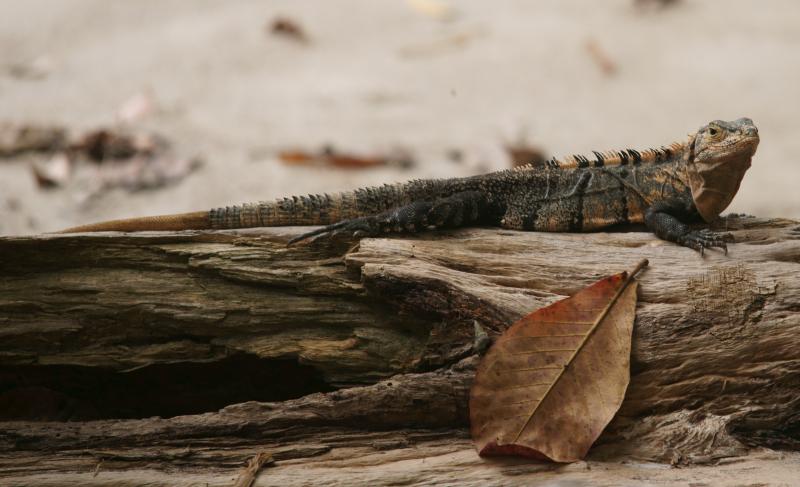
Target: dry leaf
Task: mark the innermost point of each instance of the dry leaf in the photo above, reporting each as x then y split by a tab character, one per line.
16	139
132	161
289	29
553	381
328	156
523	154
104	144
297	157
601	57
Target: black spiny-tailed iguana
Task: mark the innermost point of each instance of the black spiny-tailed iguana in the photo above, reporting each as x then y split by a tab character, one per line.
665	188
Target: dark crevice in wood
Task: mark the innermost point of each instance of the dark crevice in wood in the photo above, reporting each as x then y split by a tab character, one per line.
79	393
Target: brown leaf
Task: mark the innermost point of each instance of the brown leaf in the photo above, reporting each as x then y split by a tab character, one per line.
16	139
132	161
347	161
101	145
328	156
296	157
522	154
288	28
555	378
601	57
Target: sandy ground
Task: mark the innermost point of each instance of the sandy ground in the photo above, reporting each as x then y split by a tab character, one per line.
379	75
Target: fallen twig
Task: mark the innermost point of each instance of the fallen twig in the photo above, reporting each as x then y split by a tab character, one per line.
250	472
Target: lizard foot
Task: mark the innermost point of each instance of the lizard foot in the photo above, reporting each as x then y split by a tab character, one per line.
705	239
357	227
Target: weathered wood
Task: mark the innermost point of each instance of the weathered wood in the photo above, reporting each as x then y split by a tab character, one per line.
716	358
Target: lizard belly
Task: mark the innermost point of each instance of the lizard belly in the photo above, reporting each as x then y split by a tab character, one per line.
585	214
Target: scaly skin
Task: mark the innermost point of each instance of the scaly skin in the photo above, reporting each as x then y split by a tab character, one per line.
665	188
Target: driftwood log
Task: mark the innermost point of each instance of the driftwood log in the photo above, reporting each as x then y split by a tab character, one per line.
173	358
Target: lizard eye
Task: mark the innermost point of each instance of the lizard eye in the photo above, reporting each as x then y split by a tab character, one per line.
715	132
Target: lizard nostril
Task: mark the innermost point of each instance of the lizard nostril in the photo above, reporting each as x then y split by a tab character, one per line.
750	130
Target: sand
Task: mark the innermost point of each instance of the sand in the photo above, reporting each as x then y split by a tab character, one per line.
380	75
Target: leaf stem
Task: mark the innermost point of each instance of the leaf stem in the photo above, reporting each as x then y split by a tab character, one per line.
641	265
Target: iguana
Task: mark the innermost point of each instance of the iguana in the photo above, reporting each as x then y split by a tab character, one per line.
665	188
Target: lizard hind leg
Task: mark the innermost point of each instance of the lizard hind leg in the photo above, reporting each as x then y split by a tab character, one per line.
456	210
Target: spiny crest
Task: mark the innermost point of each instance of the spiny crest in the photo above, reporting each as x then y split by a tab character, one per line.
613	158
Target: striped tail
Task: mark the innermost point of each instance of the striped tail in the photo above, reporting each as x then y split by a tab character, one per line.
313	209
297	210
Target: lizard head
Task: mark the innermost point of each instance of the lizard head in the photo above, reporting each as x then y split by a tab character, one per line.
719	155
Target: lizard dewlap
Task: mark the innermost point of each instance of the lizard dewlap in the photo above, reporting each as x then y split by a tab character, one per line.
665	188
718	162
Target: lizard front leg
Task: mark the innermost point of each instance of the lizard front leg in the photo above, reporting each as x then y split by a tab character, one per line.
663	220
457	210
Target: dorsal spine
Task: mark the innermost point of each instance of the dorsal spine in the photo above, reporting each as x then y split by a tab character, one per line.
615	158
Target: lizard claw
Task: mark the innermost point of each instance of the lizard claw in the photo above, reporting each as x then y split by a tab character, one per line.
357	228
705	239
314	233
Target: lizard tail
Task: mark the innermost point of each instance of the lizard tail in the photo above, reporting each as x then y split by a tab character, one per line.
297	210
182	221
313	209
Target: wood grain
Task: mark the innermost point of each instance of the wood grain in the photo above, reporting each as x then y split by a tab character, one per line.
391	324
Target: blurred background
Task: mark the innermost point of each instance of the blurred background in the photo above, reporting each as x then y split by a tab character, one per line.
113	109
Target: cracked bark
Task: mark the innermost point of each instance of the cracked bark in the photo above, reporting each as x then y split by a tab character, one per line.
345	362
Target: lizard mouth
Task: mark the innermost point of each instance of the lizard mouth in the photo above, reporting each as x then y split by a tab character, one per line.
742	145
750	140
